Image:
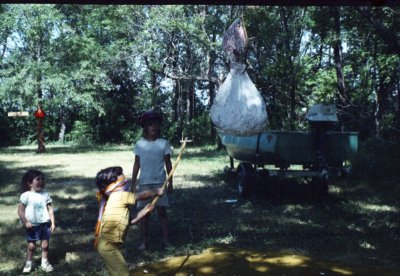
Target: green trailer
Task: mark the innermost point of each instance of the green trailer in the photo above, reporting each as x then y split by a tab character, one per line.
318	154
282	153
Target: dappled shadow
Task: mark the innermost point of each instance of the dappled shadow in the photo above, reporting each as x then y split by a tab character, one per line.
286	215
10	179
227	260
78	215
277	221
288	191
205	178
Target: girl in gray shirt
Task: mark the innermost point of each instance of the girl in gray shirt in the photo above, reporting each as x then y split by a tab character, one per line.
153	161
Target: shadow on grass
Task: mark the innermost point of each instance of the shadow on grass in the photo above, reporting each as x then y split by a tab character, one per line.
282	218
227	260
289	216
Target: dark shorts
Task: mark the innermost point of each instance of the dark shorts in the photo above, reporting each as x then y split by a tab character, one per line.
38	233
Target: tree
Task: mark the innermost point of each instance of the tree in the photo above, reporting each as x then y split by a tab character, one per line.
277	60
97	68
378	60
175	44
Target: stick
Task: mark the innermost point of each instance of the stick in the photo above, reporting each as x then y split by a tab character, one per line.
150	206
153	202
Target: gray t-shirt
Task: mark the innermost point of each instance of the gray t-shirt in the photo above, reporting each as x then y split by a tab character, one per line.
36	206
152	154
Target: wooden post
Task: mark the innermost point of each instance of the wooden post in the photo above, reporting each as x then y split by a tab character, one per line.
39	114
40	137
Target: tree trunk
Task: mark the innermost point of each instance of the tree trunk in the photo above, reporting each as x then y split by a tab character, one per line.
398	103
39	92
337	57
382	97
211	87
190	102
178	106
389	37
211	93
375	89
61	134
176	100
292	81
154	89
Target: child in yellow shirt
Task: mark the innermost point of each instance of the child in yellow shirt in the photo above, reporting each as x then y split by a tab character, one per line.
113	219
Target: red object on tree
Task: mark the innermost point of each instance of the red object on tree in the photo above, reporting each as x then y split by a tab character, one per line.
39	113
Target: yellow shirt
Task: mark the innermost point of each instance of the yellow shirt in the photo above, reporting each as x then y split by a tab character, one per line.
115	220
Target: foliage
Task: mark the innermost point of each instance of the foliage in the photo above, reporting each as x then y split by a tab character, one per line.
377	160
81	133
105	65
198	129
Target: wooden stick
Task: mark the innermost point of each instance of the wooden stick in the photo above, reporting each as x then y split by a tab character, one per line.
153	202
150	206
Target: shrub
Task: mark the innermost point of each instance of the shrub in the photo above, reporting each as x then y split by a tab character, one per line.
377	159
130	136
82	134
388	129
199	129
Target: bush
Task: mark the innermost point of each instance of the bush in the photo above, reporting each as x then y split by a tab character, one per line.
199	129
82	134
377	159
388	129
130	136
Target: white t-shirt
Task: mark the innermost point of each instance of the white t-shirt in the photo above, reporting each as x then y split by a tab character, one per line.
151	154
36	206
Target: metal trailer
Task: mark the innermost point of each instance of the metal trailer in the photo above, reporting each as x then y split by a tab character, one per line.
320	153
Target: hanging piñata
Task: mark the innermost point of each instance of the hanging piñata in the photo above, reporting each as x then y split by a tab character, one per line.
238	107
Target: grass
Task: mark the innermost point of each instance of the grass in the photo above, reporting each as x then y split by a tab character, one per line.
356	224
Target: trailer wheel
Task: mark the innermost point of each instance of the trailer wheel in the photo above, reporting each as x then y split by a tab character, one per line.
244	176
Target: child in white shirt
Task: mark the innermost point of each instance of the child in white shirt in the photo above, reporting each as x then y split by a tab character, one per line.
153	160
36	213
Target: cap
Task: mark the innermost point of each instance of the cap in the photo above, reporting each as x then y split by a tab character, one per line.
150	115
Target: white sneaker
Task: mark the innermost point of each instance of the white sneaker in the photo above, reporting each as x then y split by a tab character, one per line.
27	268
47	267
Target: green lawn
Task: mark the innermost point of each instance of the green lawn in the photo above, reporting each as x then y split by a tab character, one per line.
353	225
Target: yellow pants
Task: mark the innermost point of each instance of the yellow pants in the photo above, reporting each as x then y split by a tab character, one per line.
111	254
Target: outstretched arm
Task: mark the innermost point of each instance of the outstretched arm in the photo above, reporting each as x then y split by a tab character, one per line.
142	213
149	207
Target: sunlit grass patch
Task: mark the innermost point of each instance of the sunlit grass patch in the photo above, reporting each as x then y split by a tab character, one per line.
8	213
